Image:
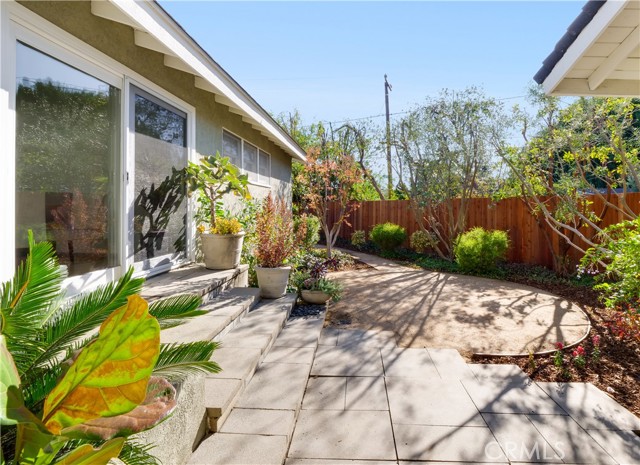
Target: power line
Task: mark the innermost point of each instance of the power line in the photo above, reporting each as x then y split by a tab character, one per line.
402	112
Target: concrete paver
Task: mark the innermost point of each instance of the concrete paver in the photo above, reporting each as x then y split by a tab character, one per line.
446	443
300	332
337	462
348	434
413	363
510	396
379	339
623	446
415	401
519	439
505	372
347	361
590	407
236	363
365	393
252	341
325	393
278	386
450	364
290	355
259	421
572	443
240	449
329	337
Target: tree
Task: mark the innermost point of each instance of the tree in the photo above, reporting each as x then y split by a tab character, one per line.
588	150
446	151
329	178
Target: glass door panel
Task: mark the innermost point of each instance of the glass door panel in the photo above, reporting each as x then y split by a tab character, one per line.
67	162
159	204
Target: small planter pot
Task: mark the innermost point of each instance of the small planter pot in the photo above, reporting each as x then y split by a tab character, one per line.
273	281
222	252
315	297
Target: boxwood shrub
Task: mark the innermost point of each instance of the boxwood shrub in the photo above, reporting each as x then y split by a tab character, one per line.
479	250
388	236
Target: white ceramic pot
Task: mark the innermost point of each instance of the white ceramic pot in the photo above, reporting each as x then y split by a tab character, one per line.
222	252
273	281
315	297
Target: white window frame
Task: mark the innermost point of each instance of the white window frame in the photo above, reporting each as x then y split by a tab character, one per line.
243	141
18	23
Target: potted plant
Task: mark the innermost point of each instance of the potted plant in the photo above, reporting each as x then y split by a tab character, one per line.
315	287
213	177
275	245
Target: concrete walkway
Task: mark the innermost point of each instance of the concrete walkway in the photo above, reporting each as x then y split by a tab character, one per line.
470	314
368	402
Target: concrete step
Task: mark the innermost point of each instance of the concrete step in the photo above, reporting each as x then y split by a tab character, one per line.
257	422
241	350
195	279
225	311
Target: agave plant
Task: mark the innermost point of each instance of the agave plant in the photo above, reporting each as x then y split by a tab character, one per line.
63	384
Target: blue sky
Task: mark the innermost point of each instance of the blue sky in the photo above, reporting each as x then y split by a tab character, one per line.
328	59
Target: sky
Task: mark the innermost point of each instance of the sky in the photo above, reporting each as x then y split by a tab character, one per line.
328	59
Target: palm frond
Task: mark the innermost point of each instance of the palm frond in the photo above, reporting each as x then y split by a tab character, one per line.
36	283
166	324
85	314
177	361
135	453
26	301
177	307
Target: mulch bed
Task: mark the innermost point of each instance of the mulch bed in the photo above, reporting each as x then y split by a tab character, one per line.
618	370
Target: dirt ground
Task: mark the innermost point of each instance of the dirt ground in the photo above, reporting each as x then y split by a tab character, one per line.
473	315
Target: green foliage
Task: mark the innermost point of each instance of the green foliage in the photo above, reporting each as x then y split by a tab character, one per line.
213	177
363	191
619	252
358	238
479	250
312	235
227	226
59	380
421	241
388	236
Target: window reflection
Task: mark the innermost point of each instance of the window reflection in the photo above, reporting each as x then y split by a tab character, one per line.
160	157
67	152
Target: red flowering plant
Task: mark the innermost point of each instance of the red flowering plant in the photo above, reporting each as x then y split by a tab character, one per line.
557	355
595	353
276	242
579	357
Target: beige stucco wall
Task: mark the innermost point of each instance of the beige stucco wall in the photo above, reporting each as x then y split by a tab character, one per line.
117	41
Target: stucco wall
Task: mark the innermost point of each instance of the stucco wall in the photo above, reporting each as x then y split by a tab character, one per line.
117	41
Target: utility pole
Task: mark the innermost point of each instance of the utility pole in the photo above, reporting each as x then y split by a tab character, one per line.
387	88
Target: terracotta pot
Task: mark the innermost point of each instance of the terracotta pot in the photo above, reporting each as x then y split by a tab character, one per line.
273	281
315	297
222	252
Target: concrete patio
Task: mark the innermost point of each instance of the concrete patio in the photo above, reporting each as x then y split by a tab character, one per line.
369	402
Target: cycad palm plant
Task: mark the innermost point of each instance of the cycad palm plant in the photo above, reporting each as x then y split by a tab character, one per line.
44	333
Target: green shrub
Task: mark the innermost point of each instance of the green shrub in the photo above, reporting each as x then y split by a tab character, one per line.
478	250
312	235
388	236
358	238
619	252
420	241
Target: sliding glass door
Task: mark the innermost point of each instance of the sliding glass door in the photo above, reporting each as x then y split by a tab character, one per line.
159	206
67	162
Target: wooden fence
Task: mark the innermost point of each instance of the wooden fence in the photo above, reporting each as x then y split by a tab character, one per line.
528	243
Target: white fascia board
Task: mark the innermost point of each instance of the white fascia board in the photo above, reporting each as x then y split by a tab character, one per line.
153	20
603	18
